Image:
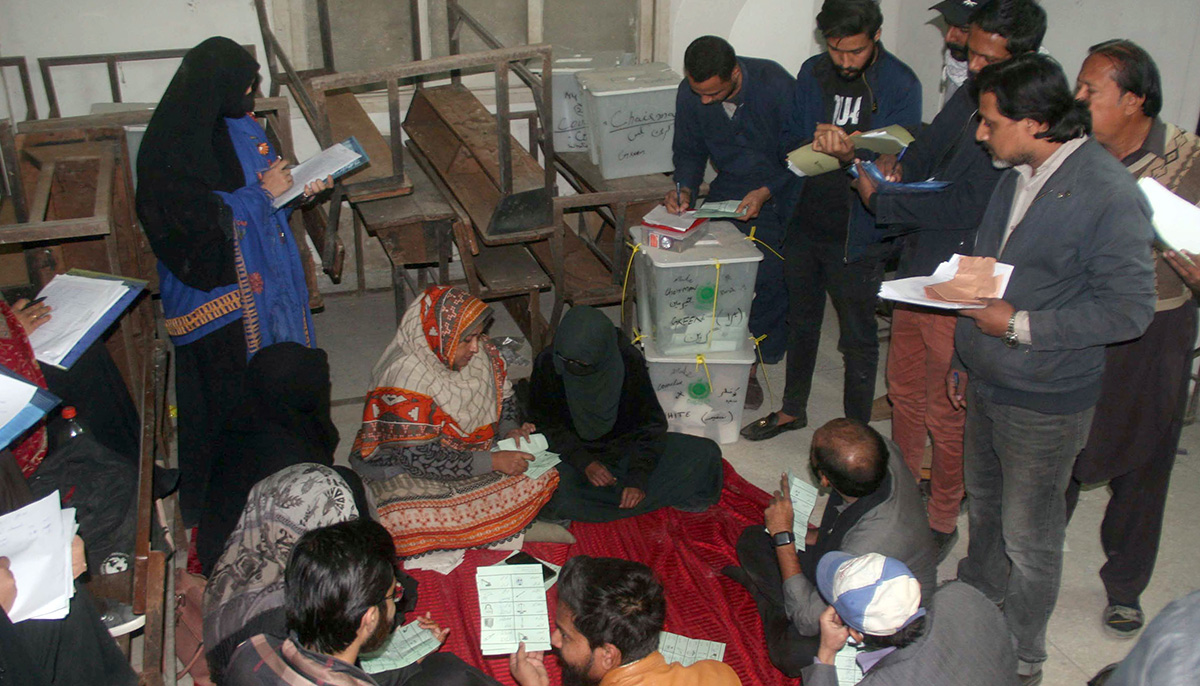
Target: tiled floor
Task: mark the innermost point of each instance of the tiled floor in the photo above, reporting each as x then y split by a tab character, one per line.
355	330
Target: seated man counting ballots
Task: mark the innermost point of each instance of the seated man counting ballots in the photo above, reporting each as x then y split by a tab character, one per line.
607	622
590	395
874	507
340	593
876	601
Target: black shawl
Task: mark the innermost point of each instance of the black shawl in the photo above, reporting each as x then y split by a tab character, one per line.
284	420
186	154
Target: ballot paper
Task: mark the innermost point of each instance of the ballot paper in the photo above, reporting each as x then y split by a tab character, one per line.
336	160
659	217
77	304
538	446
688	651
36	539
512	609
912	289
727	209
804	499
405	646
804	161
1176	220
845	662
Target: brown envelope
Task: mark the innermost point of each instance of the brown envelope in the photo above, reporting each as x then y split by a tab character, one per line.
975	280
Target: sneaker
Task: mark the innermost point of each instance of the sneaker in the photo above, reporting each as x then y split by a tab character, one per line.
1122	621
119	619
944	543
754	394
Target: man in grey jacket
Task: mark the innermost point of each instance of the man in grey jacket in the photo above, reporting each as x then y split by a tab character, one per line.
961	639
1077	231
874	507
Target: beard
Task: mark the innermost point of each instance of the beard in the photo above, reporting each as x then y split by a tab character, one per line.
577	676
382	631
958	52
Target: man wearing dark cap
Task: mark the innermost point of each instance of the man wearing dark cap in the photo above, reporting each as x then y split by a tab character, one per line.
957	15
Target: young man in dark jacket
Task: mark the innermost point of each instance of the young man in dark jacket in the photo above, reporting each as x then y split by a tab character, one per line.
855	85
935	226
1076	229
731	110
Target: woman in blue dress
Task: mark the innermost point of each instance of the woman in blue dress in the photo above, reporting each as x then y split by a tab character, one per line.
229	272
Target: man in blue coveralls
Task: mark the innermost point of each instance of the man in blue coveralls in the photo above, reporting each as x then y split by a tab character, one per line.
730	110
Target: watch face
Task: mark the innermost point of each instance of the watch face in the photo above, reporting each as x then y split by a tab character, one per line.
783	538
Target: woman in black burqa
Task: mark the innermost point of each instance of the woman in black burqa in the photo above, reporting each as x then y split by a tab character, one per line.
230	274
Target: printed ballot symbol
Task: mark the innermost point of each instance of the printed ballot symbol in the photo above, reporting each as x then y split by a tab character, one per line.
705	295
699	390
489	622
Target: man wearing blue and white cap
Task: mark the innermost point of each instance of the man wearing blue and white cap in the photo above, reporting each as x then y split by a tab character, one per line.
876	601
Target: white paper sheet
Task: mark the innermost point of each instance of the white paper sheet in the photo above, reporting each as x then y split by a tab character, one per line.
912	289
77	303
39	553
512	609
1176	220
538	446
688	651
804	499
14	396
326	163
659	216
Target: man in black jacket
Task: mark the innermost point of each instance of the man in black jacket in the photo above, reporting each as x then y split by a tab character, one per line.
936	226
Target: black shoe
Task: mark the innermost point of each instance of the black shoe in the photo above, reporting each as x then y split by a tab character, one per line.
754	394
1122	621
944	543
769	427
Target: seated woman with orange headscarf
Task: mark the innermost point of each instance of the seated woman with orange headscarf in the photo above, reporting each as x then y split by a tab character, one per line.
440	399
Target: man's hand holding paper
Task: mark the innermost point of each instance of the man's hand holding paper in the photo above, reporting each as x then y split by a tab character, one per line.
951	287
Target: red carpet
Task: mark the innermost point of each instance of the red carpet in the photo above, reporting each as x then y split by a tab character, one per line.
685	550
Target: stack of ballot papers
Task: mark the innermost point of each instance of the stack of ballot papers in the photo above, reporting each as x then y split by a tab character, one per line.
660	218
805	161
726	209
688	651
81	307
405	646
538	446
804	499
512	609
917	290
1176	220
36	539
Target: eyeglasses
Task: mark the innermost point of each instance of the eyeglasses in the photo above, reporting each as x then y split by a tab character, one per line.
576	367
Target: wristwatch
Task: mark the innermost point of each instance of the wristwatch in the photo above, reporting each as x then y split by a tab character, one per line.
783	538
1010	335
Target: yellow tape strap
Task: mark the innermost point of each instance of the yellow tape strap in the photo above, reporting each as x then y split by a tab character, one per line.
712	325
625	285
762	365
637	337
700	362
752	239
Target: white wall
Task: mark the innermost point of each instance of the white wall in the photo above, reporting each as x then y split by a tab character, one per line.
47	28
779	29
1168	29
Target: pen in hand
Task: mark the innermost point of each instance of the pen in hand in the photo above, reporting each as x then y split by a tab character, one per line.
35	301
